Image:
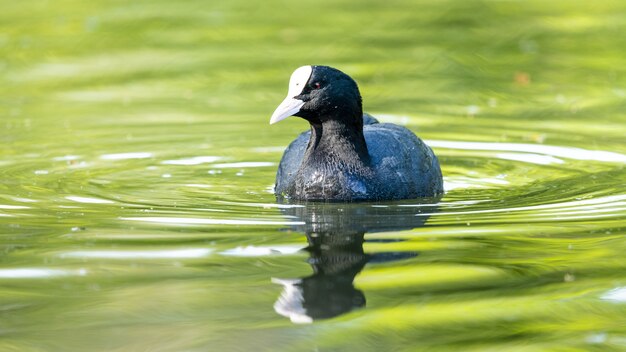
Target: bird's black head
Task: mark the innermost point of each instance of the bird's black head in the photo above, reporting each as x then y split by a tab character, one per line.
319	94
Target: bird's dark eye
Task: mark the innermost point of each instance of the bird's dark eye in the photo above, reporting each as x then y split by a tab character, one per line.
316	85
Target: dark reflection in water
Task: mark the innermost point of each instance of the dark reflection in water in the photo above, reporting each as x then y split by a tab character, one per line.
335	233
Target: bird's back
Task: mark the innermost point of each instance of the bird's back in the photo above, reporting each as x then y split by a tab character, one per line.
404	165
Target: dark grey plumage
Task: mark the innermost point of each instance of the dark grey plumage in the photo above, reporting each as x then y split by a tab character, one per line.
403	168
348	155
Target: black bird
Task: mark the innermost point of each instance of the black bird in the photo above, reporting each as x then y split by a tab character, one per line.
348	156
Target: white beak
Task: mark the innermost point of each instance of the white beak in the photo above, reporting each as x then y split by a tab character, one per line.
290	105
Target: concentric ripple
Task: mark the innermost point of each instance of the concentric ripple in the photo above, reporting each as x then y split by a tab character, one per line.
137	167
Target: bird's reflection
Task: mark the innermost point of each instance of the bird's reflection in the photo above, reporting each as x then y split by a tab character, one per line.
335	234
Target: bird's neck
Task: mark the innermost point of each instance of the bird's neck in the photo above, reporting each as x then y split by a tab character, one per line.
339	144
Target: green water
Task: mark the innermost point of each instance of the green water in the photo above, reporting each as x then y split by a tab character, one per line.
137	162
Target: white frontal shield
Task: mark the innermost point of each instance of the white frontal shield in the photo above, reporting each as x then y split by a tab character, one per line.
290	105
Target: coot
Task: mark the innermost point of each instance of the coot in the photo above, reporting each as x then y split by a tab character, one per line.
346	155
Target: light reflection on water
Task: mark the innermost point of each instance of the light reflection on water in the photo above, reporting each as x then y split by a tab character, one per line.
136	206
617	295
138	255
198	221
38	273
534	149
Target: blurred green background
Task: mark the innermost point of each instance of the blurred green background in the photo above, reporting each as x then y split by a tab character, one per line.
137	162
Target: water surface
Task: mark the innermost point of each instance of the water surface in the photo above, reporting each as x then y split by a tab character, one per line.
137	163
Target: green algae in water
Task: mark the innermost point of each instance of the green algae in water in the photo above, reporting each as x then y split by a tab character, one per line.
137	163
